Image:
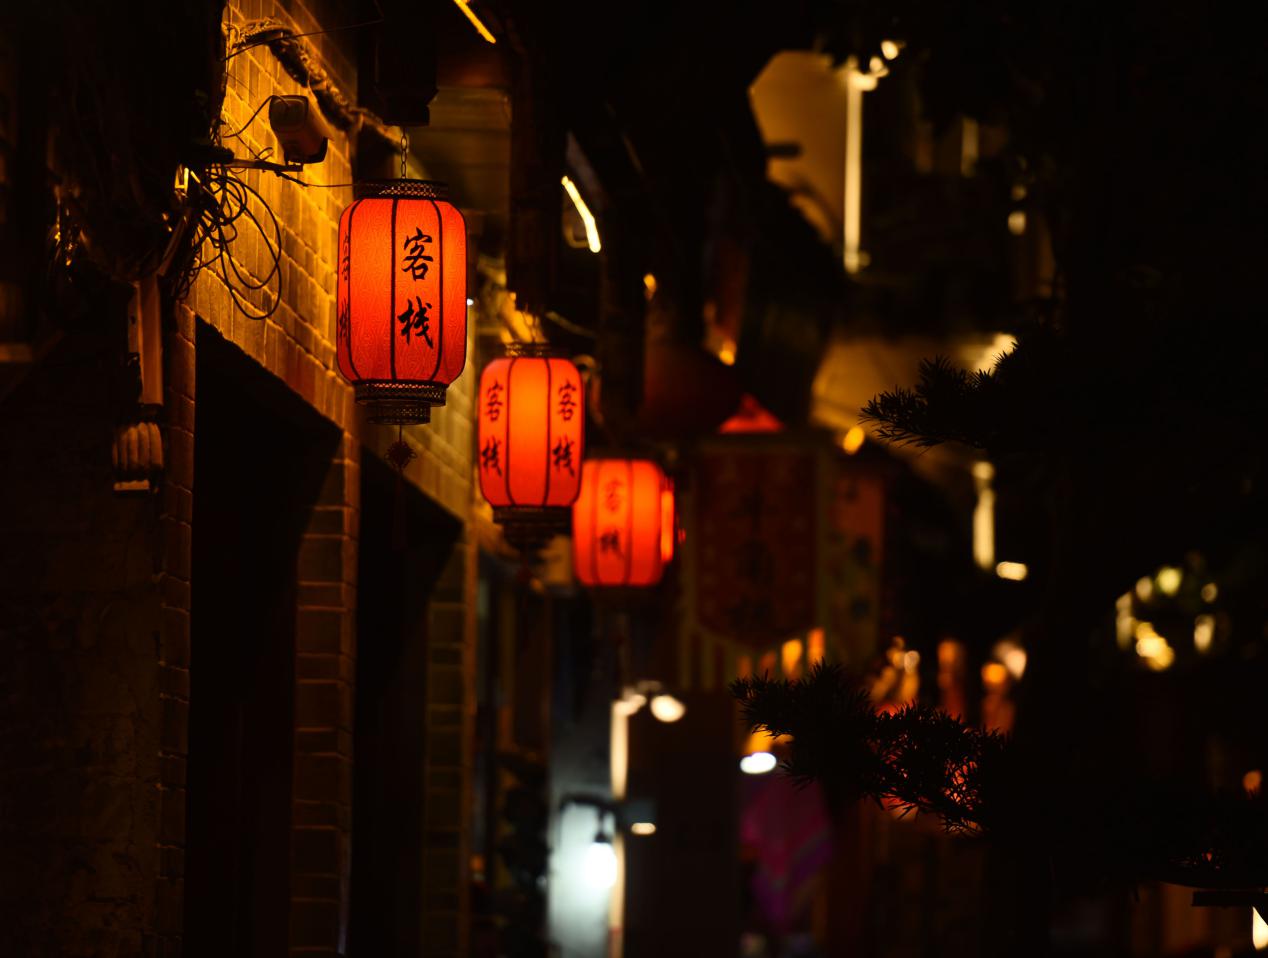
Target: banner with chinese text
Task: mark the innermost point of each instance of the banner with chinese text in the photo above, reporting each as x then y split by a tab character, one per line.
784	534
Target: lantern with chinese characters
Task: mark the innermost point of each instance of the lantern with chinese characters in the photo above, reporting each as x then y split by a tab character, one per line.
622	523
531	439
401	302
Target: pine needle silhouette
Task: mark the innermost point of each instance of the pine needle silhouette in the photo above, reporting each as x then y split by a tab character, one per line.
979	783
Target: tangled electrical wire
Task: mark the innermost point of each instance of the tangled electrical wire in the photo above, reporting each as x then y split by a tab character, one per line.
223	207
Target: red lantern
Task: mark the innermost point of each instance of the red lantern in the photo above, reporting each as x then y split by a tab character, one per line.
401	304
622	523
531	441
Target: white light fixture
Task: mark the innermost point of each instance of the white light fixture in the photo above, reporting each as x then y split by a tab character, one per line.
984	516
630	703
851	218
759	763
643	828
598	867
1015	571
476	22
587	218
1258	930
666	708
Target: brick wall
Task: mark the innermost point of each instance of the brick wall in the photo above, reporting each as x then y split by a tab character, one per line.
174	644
447	782
296	344
95	597
324	674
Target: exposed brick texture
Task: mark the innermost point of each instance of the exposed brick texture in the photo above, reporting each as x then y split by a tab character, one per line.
296	344
95	606
322	787
174	645
450	723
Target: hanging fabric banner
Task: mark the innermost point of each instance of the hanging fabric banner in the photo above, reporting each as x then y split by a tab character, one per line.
784	534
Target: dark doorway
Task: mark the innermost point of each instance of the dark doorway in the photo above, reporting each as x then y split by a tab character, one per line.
261	455
406	540
683	883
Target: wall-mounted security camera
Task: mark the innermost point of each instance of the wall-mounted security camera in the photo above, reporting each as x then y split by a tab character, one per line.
299	128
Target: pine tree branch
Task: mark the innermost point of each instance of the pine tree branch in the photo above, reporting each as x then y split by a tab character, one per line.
918	759
921	760
947	404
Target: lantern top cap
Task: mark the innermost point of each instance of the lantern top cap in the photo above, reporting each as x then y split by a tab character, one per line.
533	350
402	189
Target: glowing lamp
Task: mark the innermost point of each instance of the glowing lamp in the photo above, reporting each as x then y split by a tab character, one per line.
622	523
667	708
599	866
758	763
401	299
531	438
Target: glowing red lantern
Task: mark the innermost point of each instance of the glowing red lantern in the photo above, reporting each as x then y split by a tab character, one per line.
622	523
401	302
531	440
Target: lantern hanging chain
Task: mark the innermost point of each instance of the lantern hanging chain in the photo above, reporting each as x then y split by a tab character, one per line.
404	155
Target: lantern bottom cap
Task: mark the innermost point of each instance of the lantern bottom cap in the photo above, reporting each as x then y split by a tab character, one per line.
529	528
400	403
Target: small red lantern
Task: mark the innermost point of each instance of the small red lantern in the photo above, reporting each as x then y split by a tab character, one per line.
531	440
622	523
401	302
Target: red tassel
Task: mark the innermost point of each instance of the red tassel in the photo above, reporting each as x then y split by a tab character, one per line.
399	455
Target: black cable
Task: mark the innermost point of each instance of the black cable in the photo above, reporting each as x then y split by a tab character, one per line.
238	133
268	35
223	206
240	193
